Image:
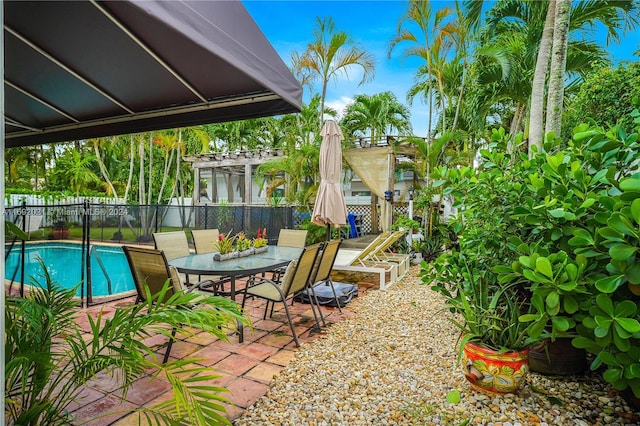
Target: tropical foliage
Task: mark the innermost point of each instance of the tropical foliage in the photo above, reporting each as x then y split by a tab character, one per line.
49	360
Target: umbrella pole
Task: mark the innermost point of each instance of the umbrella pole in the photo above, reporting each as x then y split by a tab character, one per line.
328	232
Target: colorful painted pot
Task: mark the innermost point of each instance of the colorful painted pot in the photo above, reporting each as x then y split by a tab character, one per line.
493	372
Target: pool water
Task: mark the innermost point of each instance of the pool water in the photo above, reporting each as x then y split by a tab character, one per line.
63	261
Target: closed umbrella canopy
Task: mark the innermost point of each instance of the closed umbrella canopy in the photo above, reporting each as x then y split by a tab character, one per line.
330	208
83	69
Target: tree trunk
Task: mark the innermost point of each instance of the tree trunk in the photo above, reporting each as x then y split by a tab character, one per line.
149	192
460	96
555	98
536	113
513	129
132	157
104	172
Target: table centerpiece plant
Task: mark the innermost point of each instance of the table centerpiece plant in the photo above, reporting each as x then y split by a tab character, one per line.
260	241
225	247
243	245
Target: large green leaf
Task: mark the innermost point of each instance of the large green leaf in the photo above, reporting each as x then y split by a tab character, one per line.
612	375
609	284
561	323
621	224
633	273
635	210
543	265
622	251
570	305
611	234
581	237
625	308
553	303
629	324
631	184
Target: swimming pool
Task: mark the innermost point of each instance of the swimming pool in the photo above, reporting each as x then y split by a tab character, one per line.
63	261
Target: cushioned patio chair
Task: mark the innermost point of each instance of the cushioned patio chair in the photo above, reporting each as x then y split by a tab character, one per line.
294	280
150	269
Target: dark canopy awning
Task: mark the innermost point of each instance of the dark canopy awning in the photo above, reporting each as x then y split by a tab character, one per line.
82	69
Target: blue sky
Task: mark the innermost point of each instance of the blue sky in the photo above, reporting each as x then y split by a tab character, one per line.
289	26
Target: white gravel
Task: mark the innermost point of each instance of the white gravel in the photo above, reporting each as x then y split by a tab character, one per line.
394	363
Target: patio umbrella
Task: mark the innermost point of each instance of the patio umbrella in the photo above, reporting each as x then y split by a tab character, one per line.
330	208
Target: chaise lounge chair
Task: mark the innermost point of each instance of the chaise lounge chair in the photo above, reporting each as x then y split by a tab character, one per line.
362	261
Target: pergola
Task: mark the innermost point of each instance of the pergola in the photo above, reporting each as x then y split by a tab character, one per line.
227	164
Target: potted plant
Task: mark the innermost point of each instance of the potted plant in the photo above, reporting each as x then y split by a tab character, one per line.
260	241
558	295
493	347
60	229
225	247
417	247
243	245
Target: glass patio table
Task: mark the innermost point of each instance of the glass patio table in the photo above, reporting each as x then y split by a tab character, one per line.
203	264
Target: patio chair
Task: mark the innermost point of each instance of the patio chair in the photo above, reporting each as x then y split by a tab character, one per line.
294	280
289	238
323	273
292	238
381	253
174	244
33	223
150	269
204	240
362	261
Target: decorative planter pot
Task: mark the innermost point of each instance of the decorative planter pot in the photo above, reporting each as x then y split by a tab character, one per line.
632	400
634	288
222	257
260	249
60	234
558	357
245	253
493	372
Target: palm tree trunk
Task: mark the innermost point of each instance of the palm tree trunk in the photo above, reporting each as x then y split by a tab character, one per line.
103	171
132	151
462	87
555	97
149	192
536	112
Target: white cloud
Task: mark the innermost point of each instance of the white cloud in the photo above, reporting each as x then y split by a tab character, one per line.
339	104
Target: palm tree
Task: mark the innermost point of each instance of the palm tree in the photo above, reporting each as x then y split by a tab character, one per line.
420	14
558	66
331	54
375	115
76	169
539	78
49	359
527	19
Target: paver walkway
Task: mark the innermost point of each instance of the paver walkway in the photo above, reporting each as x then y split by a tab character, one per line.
246	369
